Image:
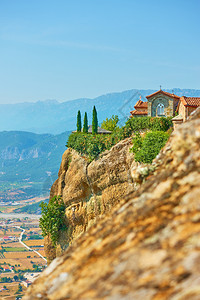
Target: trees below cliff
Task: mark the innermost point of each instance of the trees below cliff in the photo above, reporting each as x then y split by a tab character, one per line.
53	218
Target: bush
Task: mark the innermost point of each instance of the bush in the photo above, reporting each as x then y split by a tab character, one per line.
147	148
143	123
90	145
53	218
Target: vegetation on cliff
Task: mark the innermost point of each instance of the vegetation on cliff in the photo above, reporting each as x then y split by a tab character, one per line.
111	123
94	121
144	123
78	125
85	124
147	148
53	218
93	145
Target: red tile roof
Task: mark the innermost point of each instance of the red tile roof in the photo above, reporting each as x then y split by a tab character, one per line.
141	104
191	101
165	93
137	112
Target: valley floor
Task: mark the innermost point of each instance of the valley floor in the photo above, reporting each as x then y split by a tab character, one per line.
21	253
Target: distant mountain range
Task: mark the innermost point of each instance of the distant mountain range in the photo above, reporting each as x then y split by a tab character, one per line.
29	163
54	117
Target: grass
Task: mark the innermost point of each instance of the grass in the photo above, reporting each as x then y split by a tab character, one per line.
15	249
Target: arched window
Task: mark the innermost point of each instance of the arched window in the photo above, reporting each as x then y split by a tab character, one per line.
160	109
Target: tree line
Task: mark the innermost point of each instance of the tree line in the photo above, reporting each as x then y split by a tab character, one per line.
85	122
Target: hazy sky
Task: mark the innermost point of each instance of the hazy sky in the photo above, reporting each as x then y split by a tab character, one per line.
64	49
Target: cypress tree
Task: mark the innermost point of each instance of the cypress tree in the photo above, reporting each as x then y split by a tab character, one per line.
85	124
79	121
94	121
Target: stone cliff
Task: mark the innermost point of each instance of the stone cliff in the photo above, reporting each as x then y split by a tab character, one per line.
148	246
90	190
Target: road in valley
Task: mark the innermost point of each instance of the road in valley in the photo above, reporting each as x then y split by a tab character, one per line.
23	244
27	247
21	216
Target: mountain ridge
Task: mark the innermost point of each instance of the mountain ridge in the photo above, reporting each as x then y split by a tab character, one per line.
31	159
55	117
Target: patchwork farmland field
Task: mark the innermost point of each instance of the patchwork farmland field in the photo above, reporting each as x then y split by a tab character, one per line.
21	245
34	243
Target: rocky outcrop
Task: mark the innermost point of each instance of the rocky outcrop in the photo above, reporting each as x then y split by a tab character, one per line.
148	247
90	190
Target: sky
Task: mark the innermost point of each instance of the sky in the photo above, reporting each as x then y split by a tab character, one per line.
63	49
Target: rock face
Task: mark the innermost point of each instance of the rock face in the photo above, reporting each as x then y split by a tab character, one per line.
90	190
146	248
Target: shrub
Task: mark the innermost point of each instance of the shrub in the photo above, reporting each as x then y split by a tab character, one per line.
147	148
137	143
143	123
53	218
110	124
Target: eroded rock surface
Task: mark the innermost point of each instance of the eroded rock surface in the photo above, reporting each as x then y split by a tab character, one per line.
90	190
147	248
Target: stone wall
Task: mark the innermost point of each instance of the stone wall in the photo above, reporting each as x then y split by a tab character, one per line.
185	111
165	100
182	111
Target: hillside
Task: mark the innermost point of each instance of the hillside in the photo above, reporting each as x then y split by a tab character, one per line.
53	117
147	246
29	163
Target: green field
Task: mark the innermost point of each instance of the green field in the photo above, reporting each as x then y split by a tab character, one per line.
15	249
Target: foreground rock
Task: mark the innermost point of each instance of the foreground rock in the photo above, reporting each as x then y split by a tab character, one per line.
149	247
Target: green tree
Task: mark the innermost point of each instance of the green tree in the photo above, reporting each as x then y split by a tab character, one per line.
53	218
94	121
110	124
79	121
85	124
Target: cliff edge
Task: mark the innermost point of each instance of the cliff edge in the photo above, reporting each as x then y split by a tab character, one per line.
148	247
90	190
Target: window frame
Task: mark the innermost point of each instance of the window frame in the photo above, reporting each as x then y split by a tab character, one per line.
160	109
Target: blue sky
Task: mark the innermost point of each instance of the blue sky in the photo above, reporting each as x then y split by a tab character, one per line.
70	49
